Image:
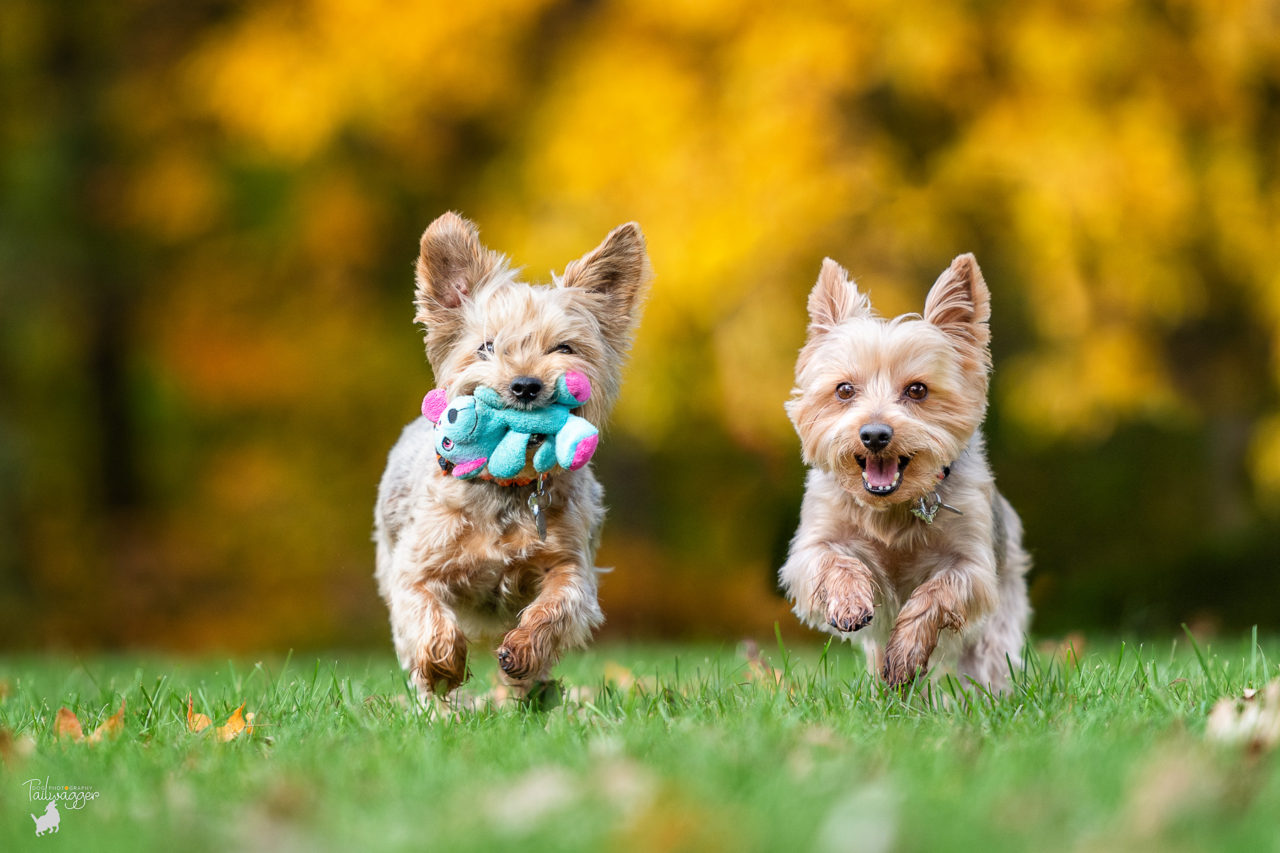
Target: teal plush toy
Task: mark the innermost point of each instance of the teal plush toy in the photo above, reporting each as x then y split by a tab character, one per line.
479	432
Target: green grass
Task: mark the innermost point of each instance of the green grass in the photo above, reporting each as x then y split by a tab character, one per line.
1107	755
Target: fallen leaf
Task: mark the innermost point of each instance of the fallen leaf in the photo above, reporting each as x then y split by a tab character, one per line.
1252	720
14	748
111	727
237	724
618	675
1069	649
196	722
65	725
758	669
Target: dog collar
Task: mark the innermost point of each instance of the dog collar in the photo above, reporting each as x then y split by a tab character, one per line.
926	508
537	497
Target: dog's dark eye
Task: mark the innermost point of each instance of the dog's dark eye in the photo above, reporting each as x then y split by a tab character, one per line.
845	391
485	349
917	391
564	348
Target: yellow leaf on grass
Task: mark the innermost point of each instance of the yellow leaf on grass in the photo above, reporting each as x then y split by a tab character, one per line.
196	722
66	726
618	675
111	727
237	724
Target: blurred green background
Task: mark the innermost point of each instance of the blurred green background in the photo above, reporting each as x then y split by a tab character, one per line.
209	212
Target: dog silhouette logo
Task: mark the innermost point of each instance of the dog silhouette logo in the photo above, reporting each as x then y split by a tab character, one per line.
48	822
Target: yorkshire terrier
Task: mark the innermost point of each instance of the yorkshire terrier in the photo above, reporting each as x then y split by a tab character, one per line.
901	527
461	561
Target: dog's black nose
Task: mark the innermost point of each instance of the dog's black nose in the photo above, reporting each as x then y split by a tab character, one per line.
526	388
876	437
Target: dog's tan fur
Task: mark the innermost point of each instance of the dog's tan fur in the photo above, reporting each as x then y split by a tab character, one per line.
862	559
461	561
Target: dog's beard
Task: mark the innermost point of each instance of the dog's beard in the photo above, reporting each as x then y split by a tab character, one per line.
897	475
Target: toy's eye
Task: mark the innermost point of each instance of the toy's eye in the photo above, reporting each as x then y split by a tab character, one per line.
446	443
917	391
485	349
564	348
845	391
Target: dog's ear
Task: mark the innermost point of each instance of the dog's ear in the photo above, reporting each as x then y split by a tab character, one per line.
618	271
835	298
452	263
452	266
960	304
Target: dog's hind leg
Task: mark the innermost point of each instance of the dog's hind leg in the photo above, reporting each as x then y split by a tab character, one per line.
990	656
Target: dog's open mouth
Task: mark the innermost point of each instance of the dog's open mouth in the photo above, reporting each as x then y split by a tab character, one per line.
881	475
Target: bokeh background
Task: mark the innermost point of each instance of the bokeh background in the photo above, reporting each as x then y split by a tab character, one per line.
209	212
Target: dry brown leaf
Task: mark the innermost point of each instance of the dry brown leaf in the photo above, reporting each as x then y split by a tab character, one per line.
66	726
196	722
758	669
237	724
1252	720
1068	650
111	727
13	748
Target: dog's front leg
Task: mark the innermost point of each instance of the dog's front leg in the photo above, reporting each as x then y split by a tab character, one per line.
430	643
950	599
563	615
830	587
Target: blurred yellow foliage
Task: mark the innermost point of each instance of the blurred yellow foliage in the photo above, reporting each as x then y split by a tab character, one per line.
249	182
290	76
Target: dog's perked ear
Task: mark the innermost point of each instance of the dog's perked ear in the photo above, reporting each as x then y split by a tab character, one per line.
618	271
452	265
960	304
834	299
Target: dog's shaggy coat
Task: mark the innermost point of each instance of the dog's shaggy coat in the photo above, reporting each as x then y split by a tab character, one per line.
888	413
461	561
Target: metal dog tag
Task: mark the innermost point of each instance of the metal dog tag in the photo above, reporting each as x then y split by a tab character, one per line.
926	509
535	506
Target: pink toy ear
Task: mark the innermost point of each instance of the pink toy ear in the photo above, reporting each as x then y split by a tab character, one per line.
434	404
578	384
462	469
583	454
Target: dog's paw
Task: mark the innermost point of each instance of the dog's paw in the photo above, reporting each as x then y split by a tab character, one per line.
903	663
849	604
516	657
442	667
846	619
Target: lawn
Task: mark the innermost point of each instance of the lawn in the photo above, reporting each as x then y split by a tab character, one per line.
650	748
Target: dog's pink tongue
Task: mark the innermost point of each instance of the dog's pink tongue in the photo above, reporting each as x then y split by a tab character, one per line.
881	472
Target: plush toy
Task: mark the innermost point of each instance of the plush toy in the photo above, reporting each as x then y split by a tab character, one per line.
479	432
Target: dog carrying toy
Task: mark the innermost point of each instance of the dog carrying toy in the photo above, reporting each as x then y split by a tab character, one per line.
480	434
